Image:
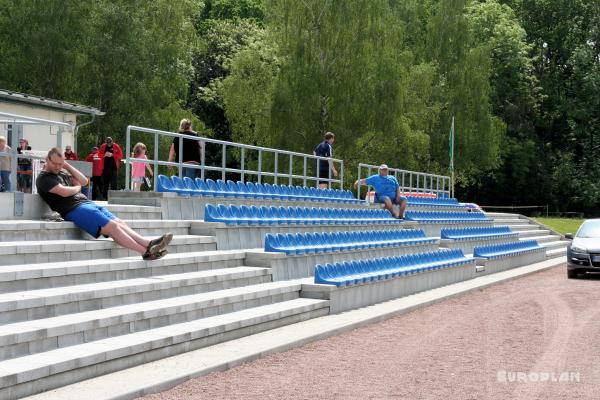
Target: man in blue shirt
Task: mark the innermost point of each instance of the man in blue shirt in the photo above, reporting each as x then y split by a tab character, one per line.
324	149
387	190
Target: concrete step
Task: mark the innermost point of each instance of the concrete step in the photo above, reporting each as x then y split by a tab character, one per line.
502	215
530	233
521	227
543	238
29	337
15	278
559	244
558	252
125	211
32	251
43	303
27	230
511	221
36	373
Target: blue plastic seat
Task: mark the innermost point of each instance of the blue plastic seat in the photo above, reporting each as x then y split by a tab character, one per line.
164	184
191	186
211	214
179	186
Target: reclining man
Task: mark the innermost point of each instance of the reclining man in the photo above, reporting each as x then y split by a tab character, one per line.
59	184
387	190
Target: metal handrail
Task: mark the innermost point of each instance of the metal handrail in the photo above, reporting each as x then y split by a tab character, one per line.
405	179
242	170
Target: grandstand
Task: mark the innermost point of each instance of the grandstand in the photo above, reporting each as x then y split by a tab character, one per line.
246	257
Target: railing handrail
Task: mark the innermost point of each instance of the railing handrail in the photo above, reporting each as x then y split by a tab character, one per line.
445	180
33	119
242	170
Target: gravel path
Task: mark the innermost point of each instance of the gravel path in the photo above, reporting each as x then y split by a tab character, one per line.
477	346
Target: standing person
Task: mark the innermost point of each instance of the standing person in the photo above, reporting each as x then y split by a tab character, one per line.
96	161
387	190
24	168
138	169
110	154
324	149
192	149
4	166
59	184
70	154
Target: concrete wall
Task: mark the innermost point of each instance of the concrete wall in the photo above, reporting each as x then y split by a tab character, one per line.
33	207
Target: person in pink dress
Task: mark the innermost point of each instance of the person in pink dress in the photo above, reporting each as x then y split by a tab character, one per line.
138	169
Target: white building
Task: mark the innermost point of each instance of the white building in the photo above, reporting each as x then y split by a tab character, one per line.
41	135
44	123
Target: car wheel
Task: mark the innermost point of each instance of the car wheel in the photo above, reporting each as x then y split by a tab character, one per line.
572	273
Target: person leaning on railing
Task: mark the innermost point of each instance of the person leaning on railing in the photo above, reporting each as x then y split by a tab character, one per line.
387	190
325	149
4	166
192	149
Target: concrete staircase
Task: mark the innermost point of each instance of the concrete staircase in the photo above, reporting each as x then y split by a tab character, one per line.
528	229
72	308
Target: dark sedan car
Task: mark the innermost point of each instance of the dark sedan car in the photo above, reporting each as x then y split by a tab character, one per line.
583	254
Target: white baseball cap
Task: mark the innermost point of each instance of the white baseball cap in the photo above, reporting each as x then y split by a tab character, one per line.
383	166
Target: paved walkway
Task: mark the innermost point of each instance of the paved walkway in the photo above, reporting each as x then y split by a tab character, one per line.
531	338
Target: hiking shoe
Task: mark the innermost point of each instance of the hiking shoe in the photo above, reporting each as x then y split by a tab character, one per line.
154	256
158	244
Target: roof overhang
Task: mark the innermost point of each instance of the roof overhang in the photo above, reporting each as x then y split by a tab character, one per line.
16	97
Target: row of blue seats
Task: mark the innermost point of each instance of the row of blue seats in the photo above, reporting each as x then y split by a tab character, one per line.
505	249
349	273
310	243
474	233
265	215
230	189
437	201
445	216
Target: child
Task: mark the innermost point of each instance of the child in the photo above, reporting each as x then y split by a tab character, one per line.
138	169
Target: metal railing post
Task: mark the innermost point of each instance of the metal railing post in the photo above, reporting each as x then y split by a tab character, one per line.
202	159
358	178
341	174
259	166
224	162
127	158
291	172
155	164
180	157
242	161
304	173
276	168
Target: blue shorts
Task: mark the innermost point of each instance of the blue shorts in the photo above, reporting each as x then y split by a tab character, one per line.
382	199
90	217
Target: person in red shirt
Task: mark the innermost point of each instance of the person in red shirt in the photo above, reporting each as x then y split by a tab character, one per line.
94	158
110	154
70	154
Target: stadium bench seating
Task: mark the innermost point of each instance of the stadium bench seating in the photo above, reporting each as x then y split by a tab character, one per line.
449	203
303	243
507	249
475	233
350	273
441	217
230	189
265	215
437	201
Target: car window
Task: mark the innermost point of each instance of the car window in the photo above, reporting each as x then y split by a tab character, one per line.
589	230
